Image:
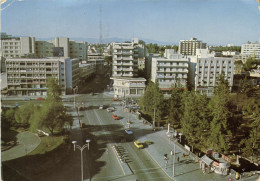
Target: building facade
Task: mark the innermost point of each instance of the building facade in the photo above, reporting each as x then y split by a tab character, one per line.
28	77
207	68
170	71
188	47
15	47
128	87
251	49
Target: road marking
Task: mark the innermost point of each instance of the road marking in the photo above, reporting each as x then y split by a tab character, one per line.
147	169
107	139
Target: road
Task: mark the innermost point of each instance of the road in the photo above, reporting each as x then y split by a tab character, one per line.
100	162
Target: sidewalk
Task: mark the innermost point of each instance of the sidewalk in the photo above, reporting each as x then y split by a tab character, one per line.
185	169
27	142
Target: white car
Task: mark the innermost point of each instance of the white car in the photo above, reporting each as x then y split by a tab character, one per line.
101	107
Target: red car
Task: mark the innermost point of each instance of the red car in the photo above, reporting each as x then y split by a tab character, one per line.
115	99
115	117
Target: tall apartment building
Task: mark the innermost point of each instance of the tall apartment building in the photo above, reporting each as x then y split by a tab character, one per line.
27	76
170	71
188	47
125	68
205	70
251	49
14	47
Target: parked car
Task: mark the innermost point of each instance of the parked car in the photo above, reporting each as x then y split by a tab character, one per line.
27	99
40	99
110	109
128	131
115	117
101	107
66	100
138	144
115	99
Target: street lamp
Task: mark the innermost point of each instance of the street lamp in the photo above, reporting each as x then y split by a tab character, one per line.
180	134
173	159
74	90
81	150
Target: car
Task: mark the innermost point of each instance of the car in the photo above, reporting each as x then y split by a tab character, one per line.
148	142
101	107
128	131
115	117
40	99
138	144
110	109
27	99
115	99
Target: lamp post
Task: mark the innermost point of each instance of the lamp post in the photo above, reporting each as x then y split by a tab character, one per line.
180	134
81	150
173	159
74	90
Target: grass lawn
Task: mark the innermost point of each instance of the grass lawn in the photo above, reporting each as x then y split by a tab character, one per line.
48	143
50	151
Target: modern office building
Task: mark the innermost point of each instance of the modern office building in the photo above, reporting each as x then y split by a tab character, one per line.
28	76
170	71
205	70
188	47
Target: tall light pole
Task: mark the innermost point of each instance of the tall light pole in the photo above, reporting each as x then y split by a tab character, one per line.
81	150
173	153
74	90
154	118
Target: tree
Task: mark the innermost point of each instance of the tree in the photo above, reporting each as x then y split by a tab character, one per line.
195	120
175	106
221	116
54	90
251	63
23	114
252	144
52	115
152	99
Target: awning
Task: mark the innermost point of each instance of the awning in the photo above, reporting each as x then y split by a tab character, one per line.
206	160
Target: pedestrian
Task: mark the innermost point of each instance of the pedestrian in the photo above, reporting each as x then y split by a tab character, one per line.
178	159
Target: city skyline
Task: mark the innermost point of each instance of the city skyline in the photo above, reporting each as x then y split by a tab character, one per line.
214	22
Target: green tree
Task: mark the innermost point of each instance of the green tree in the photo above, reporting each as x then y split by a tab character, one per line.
152	100
195	120
23	114
175	106
220	111
250	145
52	115
251	63
54	90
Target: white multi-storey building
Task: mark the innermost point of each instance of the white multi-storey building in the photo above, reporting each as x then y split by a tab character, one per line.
14	47
251	49
170	71
205	70
125	68
28	76
17	47
188	47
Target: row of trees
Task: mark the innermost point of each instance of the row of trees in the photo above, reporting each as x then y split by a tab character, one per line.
51	116
155	48
207	122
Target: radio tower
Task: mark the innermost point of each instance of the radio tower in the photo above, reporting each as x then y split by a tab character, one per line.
100	24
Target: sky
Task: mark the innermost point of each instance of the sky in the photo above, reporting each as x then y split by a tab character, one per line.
216	22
